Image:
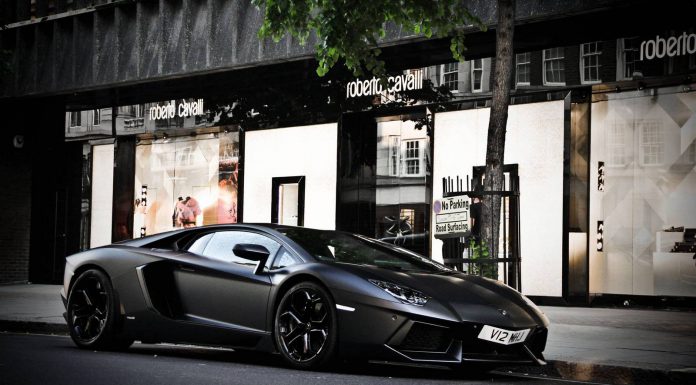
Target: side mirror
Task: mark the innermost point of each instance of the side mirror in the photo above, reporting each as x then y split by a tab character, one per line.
254	253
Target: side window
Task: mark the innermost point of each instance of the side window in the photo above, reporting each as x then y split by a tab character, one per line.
199	244
284	259
222	242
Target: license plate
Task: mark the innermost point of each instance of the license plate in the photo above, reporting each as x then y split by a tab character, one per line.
502	336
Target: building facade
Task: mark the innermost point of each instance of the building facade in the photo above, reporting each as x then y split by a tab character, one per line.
600	133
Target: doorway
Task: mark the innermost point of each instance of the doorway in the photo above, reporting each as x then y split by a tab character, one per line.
287	200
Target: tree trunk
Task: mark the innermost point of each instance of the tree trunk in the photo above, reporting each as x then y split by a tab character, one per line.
495	149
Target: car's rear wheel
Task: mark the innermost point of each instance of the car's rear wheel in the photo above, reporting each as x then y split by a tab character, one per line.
306	326
91	312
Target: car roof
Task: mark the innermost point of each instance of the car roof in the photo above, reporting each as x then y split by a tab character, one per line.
179	233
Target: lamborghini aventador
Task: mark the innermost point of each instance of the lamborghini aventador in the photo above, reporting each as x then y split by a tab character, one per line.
310	295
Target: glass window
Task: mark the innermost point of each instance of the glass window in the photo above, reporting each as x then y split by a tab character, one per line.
522	65
394	153
616	145
412	157
96	117
220	246
554	66
651	142
184	156
336	247
629	56
589	62
407	217
75	119
199	244
191	181
402	193
450	76
648	206
476	75
284	259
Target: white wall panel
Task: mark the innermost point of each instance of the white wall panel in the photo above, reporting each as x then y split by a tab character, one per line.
292	151
535	143
102	194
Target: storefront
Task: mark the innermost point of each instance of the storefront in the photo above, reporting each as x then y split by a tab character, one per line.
643	192
606	168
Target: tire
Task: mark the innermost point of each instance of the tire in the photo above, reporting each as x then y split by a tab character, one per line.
92	313
305	326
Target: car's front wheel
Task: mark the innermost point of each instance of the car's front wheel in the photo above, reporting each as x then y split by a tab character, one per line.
91	313
306	326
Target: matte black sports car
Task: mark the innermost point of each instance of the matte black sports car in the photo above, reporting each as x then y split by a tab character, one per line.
310	295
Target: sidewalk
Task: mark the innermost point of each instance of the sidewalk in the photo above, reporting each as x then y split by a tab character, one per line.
619	346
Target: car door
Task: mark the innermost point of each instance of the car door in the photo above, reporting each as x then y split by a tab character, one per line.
218	287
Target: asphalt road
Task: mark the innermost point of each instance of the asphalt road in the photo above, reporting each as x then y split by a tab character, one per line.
54	360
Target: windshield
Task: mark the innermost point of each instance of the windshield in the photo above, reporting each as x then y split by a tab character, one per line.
337	247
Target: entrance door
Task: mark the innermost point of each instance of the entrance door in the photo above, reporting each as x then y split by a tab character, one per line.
288	201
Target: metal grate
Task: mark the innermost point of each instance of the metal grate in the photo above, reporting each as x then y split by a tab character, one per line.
426	338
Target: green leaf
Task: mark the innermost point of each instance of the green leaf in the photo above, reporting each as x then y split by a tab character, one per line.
349	30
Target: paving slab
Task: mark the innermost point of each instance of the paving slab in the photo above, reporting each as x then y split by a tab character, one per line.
31	303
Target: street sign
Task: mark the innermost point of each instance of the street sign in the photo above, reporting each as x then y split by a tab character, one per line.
451	215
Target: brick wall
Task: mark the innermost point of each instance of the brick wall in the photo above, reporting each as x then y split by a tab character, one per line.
536	75
15	171
608	59
572	65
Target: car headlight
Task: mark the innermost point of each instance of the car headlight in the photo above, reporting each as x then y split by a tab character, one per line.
403	293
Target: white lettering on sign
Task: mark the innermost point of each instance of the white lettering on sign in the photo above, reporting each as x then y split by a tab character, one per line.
171	110
671	46
371	87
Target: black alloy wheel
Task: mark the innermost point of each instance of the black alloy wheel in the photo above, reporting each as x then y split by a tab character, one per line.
306	326
91	313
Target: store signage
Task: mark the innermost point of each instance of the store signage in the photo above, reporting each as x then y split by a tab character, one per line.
600	235
451	215
172	109
684	44
600	176
398	83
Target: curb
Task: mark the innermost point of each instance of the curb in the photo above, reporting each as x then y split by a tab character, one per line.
33	327
604	374
565	370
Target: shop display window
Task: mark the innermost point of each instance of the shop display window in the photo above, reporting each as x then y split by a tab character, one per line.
186	181
647	204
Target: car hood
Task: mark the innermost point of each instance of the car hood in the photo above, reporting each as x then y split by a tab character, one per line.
467	298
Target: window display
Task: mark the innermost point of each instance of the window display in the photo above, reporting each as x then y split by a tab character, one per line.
186	181
645	138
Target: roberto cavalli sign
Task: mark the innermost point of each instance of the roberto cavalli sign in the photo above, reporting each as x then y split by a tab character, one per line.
172	109
659	47
397	83
451	215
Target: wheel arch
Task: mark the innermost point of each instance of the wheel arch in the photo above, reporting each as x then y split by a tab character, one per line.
286	285
81	269
93	266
